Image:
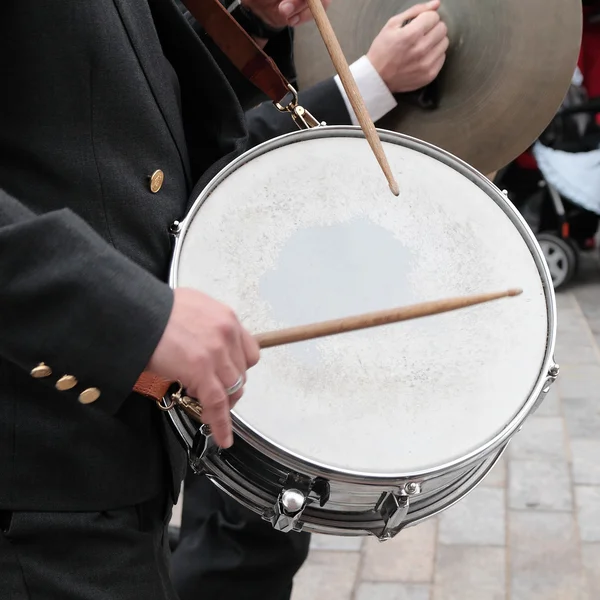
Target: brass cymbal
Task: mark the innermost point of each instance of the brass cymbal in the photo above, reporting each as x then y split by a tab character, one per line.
508	68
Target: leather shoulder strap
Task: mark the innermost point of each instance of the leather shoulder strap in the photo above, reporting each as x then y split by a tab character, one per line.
239	47
152	386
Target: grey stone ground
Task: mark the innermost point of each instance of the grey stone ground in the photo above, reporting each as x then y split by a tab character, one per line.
530	531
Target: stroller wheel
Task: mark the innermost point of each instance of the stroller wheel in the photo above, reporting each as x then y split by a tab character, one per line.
561	258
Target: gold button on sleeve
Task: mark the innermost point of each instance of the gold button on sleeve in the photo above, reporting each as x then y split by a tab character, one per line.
156	181
66	382
90	395
41	371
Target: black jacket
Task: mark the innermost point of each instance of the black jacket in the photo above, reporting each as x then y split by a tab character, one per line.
96	96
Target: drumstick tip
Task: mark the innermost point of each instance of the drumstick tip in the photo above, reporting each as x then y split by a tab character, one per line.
394	187
515	292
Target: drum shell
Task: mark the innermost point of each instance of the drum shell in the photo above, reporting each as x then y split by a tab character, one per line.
255	471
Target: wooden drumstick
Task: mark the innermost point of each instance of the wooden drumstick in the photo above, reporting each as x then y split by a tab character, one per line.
374	319
347	79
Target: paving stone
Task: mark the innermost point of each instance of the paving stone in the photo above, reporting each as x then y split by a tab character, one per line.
478	519
587	299
586	461
588	513
565	301
591	563
539	485
470	573
545	561
572	326
328	575
392	591
335	542
582	416
581	381
497	476
570	315
407	558
550	407
541	439
577	351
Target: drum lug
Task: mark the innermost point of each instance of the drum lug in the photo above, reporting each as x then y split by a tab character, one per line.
298	493
288	509
553	372
175	228
393	509
201	447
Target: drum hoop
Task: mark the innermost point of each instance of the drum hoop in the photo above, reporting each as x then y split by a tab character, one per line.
296	461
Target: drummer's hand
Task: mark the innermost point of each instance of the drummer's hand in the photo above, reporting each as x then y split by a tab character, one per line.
410	57
282	13
205	347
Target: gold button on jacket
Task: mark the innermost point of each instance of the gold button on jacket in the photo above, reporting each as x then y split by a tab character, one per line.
66	382
41	371
90	395
156	181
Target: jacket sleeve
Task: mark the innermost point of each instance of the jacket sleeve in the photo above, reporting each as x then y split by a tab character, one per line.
71	301
323	101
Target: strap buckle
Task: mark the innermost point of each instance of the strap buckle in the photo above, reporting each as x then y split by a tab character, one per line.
191	407
302	118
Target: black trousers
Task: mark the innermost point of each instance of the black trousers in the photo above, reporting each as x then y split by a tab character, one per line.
227	552
113	555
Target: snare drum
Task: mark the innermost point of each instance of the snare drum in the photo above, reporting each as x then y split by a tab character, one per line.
371	431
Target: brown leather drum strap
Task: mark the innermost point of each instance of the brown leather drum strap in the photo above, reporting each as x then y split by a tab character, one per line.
152	386
239	47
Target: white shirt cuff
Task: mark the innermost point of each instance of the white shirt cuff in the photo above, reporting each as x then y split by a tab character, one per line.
378	98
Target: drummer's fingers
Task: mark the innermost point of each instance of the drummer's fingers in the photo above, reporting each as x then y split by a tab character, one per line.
235	398
434	40
412	13
420	26
211	394
435	66
438	52
251	349
234	365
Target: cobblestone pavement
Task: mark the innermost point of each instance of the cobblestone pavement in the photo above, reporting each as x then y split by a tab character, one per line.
530	531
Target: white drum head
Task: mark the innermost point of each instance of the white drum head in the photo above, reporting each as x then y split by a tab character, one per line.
310	231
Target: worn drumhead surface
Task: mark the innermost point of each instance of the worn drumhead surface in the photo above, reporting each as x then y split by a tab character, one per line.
310	232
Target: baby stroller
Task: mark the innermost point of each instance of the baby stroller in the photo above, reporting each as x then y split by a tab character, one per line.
556	184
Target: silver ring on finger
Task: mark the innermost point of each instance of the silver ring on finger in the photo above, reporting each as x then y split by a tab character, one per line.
236	387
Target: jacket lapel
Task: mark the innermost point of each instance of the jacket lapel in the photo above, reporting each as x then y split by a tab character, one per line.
138	22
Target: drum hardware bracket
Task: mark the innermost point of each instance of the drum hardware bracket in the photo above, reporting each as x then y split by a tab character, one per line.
302	118
412	488
553	372
192	409
201	447
288	509
175	228
393	508
291	502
